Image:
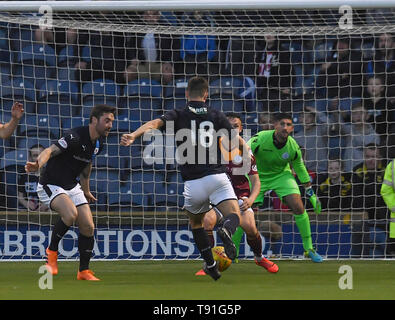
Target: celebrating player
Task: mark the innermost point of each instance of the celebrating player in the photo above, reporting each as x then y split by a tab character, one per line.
241	185
67	159
274	151
201	167
8	128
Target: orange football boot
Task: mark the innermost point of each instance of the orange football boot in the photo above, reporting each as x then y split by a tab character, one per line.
52	261
267	264
86	275
200	273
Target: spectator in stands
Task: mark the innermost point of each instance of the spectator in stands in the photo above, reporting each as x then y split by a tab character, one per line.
380	109
274	75
150	55
266	121
341	75
68	45
314	138
369	236
383	63
357	135
27	184
335	187
199	52
104	56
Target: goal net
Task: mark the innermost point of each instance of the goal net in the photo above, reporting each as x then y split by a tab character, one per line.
332	67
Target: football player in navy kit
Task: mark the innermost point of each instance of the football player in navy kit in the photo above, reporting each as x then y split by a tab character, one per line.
67	160
204	174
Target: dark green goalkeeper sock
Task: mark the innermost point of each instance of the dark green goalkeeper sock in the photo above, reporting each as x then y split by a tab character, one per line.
303	224
236	237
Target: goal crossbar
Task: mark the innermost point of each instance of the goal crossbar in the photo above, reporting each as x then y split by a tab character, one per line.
181	5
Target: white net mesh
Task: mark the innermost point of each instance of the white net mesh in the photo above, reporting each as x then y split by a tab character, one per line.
337	82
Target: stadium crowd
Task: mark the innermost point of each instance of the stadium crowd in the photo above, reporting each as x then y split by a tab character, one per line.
340	91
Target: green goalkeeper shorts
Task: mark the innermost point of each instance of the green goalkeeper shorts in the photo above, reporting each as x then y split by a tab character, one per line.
283	184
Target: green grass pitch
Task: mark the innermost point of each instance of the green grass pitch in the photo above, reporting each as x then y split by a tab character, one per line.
175	280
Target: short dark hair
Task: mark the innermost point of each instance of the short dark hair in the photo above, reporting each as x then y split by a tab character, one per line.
197	87
233	115
282	115
100	109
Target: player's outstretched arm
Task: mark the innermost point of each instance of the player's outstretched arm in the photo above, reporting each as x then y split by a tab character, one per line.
128	138
42	159
8	128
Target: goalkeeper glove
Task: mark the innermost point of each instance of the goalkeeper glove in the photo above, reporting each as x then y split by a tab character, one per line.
314	200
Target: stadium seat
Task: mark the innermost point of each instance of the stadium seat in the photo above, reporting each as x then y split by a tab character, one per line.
229	87
144	94
21	90
10	181
36	62
102	182
5	53
56	109
59	91
20	36
174	191
119	154
122	124
113	155
126	200
225	94
135	160
68	56
227	105
174	94
27	143
176	103
131	195
176	89
100	91
72	122
155	188
14	158
38	125
11	165
37	53
138	187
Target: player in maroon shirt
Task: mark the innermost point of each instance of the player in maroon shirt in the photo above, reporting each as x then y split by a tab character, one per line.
246	196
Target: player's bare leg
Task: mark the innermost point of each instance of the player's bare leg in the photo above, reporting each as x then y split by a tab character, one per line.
209	222
231	212
294	202
68	213
203	244
86	242
254	240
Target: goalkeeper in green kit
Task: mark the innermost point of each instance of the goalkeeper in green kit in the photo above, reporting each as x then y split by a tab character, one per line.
274	151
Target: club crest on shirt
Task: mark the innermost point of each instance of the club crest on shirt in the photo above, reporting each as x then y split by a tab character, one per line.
285	155
62	142
96	150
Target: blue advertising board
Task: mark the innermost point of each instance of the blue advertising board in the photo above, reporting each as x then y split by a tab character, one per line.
24	242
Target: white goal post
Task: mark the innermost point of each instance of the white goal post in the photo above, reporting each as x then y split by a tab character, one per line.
326	62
